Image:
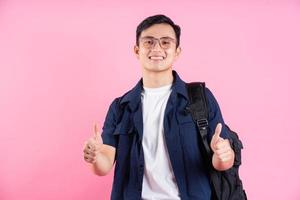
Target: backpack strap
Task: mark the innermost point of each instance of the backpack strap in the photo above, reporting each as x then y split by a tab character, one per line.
199	112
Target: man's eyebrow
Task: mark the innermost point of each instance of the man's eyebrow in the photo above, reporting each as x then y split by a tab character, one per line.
165	37
147	37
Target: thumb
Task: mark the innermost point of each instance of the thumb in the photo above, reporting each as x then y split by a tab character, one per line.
97	133
218	130
216	136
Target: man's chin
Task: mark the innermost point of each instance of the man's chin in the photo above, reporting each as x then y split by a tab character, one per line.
157	68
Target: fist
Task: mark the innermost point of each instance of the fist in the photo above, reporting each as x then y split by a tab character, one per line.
221	147
92	146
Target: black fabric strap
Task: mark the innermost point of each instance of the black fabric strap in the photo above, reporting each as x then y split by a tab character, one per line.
199	112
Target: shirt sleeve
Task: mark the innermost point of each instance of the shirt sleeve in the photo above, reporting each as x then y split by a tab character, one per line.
214	116
109	125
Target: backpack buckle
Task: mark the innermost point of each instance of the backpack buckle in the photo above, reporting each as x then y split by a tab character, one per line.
202	123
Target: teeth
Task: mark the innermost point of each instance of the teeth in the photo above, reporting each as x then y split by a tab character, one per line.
156	57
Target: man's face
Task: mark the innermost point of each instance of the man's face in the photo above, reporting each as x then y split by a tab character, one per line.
157	48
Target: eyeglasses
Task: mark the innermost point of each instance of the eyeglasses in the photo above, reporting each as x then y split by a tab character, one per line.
150	42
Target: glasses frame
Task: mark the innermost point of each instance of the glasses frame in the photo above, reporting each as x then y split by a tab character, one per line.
155	40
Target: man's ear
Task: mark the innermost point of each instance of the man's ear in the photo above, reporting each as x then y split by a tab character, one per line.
178	52
136	50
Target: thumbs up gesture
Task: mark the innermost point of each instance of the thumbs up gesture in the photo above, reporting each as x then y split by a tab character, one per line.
223	152
92	146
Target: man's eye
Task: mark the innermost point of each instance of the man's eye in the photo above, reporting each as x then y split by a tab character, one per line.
165	42
149	42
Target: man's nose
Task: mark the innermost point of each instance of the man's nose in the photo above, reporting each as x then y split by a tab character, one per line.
156	46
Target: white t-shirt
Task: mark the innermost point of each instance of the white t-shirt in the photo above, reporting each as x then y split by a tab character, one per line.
159	181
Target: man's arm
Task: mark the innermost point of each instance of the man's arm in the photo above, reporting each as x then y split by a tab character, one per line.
104	156
223	155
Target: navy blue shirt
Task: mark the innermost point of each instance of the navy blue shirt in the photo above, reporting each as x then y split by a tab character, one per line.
123	129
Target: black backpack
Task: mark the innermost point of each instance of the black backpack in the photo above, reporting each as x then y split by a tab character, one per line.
226	185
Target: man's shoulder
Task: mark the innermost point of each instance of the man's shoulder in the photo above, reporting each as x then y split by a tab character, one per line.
123	97
121	100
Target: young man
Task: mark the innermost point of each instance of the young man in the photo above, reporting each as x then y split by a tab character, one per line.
148	133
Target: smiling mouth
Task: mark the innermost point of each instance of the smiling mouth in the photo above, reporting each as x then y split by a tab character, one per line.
156	57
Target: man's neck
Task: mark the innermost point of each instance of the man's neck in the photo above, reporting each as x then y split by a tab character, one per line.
157	79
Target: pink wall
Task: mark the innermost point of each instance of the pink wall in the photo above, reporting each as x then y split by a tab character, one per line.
63	62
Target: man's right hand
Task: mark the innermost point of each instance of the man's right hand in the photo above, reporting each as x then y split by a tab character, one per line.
93	146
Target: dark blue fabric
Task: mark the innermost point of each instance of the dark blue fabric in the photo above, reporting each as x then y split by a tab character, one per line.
123	129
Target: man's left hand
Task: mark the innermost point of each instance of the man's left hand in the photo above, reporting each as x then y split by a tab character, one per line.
223	154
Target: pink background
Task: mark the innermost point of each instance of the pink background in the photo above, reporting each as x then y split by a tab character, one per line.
63	62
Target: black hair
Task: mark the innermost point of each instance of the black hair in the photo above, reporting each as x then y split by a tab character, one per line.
157	19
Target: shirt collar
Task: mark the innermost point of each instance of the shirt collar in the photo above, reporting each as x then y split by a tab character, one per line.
133	97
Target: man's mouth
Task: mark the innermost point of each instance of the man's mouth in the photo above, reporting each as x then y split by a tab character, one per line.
156	57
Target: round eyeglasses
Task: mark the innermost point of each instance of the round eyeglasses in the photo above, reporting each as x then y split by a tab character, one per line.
150	42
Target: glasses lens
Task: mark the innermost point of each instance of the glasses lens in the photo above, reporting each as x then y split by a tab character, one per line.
147	42
165	43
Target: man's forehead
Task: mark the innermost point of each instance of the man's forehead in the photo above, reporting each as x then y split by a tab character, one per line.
158	31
